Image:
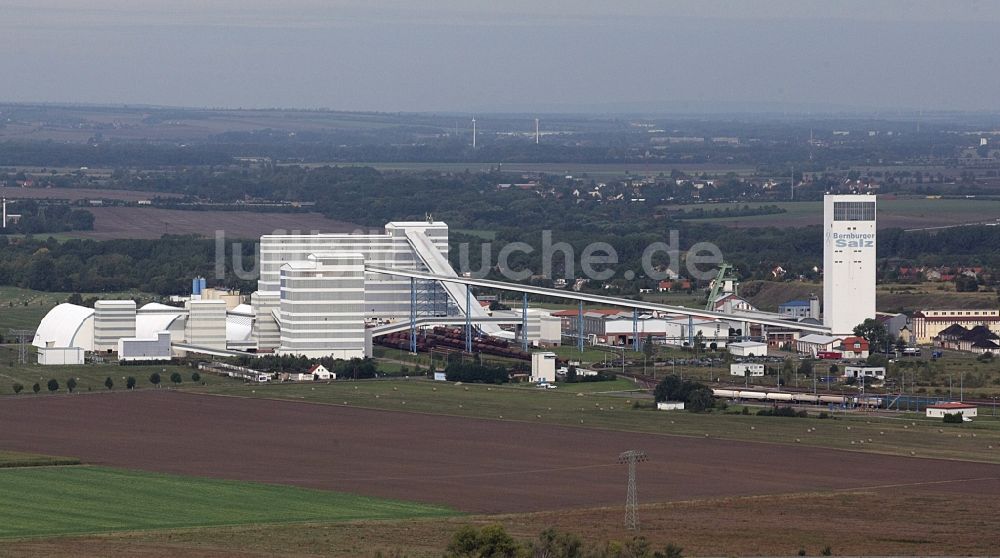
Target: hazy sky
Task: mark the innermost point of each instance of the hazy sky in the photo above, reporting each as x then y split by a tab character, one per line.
455	55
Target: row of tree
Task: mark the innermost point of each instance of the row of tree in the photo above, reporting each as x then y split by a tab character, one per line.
493	541
476	372
53	385
355	368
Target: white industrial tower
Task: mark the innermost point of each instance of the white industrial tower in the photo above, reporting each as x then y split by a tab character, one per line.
473	132
848	261
536	131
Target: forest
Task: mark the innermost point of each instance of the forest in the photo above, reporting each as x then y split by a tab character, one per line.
165	266
38	218
476	209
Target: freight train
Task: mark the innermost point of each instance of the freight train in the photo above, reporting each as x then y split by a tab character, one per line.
447	340
795	397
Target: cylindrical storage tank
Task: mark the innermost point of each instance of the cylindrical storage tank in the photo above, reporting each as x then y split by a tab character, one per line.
779	397
202	283
807	398
196	286
753	395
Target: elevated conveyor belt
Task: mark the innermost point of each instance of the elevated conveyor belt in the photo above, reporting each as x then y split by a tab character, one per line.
404	325
762	318
438	265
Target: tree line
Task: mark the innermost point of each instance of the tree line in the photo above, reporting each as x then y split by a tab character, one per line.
36	218
163	266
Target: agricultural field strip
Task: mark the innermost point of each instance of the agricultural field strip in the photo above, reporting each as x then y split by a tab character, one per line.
87	499
862	434
472	464
895	523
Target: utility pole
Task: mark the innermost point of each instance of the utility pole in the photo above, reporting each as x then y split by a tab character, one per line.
630	458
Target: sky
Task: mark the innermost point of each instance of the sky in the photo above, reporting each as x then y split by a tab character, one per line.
510	56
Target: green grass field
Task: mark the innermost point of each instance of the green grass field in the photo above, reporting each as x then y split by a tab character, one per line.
90	377
24	308
47	501
897	435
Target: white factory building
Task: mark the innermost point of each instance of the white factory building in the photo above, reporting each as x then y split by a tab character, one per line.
322	306
748	349
848	261
746	369
314	298
318	297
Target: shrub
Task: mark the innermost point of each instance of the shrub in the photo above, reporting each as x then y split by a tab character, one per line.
195	377
491	540
698	400
109	383
130	382
554	543
53	385
670	551
827	551
154	378
36	388
471	372
71	384
176	377
17	388
782	412
824	415
953	418
696	396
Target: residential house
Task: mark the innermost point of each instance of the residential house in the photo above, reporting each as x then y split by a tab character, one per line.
815	343
729	303
855	347
316	372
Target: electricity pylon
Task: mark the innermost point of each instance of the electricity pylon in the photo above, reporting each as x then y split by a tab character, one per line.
630	458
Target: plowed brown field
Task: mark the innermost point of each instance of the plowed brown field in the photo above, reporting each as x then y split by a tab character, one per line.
485	466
